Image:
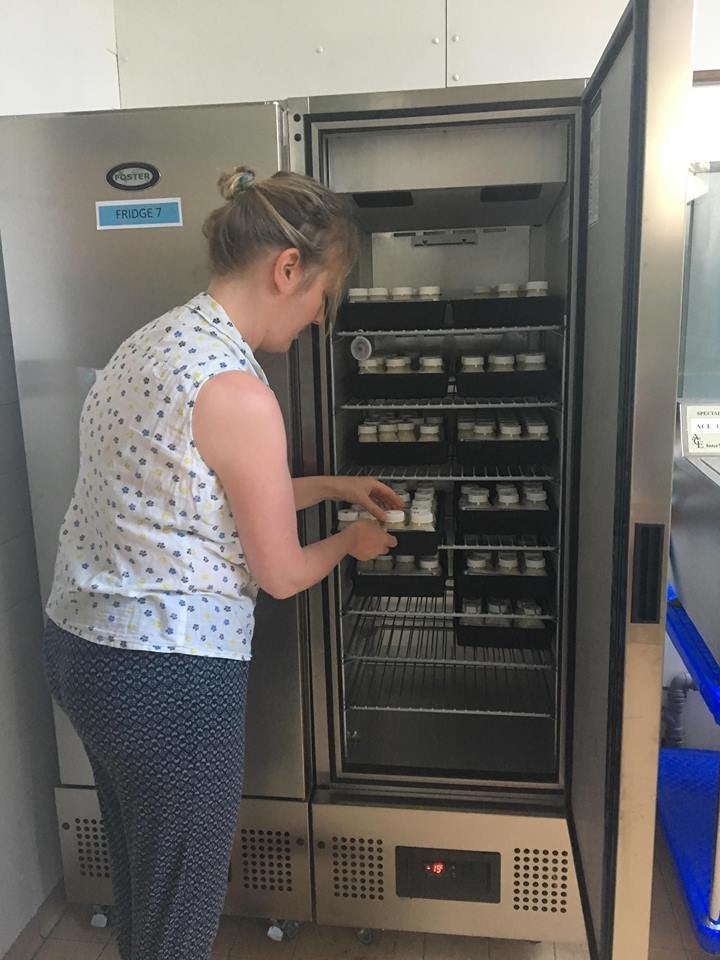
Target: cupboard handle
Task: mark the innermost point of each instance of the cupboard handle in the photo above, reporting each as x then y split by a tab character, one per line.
647	572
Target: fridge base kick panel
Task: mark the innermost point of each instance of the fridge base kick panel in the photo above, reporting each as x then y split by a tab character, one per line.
269	865
445	871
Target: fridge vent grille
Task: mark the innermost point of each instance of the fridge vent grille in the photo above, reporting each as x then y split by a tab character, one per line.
540	880
358	868
92	848
266	861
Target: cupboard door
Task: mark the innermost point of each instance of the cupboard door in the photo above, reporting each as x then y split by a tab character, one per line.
176	52
496	41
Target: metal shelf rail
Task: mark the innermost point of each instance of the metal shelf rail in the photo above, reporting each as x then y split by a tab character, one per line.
454	403
452	331
421	641
436	608
489	473
448	688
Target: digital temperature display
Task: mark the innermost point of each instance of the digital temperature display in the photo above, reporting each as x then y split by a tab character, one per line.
437	868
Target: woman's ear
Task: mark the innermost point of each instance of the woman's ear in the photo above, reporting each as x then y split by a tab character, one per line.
288	274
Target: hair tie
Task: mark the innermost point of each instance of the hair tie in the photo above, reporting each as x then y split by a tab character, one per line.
244	181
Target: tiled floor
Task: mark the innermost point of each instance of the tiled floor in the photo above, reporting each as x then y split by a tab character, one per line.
74	939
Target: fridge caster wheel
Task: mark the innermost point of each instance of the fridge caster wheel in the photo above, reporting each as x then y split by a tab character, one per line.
280	930
100	917
367	935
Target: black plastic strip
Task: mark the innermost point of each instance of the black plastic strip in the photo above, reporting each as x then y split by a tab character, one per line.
647	572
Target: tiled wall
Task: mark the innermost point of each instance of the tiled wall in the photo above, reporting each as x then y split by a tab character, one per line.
29	857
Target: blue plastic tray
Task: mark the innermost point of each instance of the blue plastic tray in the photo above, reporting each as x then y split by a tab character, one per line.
696	655
687	806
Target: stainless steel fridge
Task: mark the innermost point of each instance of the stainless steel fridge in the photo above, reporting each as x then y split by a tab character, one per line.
418	760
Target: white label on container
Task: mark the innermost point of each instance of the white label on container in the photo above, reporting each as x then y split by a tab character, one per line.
594	182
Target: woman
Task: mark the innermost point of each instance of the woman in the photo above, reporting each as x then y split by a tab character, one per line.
183	507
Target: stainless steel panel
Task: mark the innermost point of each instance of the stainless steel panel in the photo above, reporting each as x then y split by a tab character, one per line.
83	846
269	867
75	294
270	863
660	265
355	879
444	97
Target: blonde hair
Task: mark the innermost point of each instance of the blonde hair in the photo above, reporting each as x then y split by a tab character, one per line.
286	210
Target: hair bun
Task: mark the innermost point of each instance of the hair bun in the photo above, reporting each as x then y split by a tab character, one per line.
232	183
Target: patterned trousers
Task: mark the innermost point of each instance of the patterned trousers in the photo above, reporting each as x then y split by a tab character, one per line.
165	736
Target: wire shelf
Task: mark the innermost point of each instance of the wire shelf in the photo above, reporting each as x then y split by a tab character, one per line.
413	608
453	688
521	542
451	331
454	403
489	473
430	641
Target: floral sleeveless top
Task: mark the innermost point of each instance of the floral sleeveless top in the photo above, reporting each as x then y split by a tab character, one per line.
149	557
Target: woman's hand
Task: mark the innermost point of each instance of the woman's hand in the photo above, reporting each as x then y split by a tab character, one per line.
367	540
372	495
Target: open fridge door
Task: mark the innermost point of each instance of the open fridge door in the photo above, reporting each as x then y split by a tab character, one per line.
630	255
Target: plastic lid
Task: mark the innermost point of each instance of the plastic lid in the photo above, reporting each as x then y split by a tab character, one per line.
429	291
507	497
378	292
531	358
534	561
476	358
365	515
421	515
478	561
484	429
536	285
404	558
368	428
470	607
498	606
510	430
501	358
395	516
357	292
402	291
428	563
391	362
347	516
430	429
507	561
478	496
529	608
431	361
371	362
535	495
537	429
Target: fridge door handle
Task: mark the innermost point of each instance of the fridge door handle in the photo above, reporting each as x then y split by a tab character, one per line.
648	557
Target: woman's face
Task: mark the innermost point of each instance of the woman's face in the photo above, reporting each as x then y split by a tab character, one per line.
300	301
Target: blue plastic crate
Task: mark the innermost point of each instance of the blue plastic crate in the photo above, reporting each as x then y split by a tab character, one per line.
696	655
687	807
